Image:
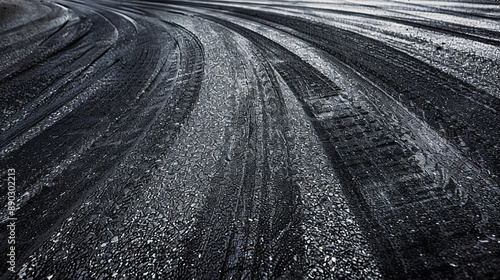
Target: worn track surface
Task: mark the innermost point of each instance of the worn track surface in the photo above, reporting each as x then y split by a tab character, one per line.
251	140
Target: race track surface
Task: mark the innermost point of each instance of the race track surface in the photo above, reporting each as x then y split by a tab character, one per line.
250	140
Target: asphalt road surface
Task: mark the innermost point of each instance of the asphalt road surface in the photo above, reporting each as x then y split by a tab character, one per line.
251	140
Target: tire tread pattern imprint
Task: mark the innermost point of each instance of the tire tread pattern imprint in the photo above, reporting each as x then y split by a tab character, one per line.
249	226
414	223
166	102
465	115
100	128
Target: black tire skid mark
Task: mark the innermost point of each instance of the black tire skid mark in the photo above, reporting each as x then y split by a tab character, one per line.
46	144
464	114
472	33
23	82
463	13
369	160
467	116
248	227
171	108
74	33
206	249
35	84
282	250
54	11
69	189
462	31
287	234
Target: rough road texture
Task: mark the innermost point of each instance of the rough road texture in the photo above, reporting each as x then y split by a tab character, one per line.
253	140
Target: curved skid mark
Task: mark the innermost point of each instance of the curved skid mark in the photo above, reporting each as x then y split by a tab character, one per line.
130	173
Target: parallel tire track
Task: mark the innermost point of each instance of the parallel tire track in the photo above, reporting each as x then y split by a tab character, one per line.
249	226
406	212
132	163
466	115
99	130
162	108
